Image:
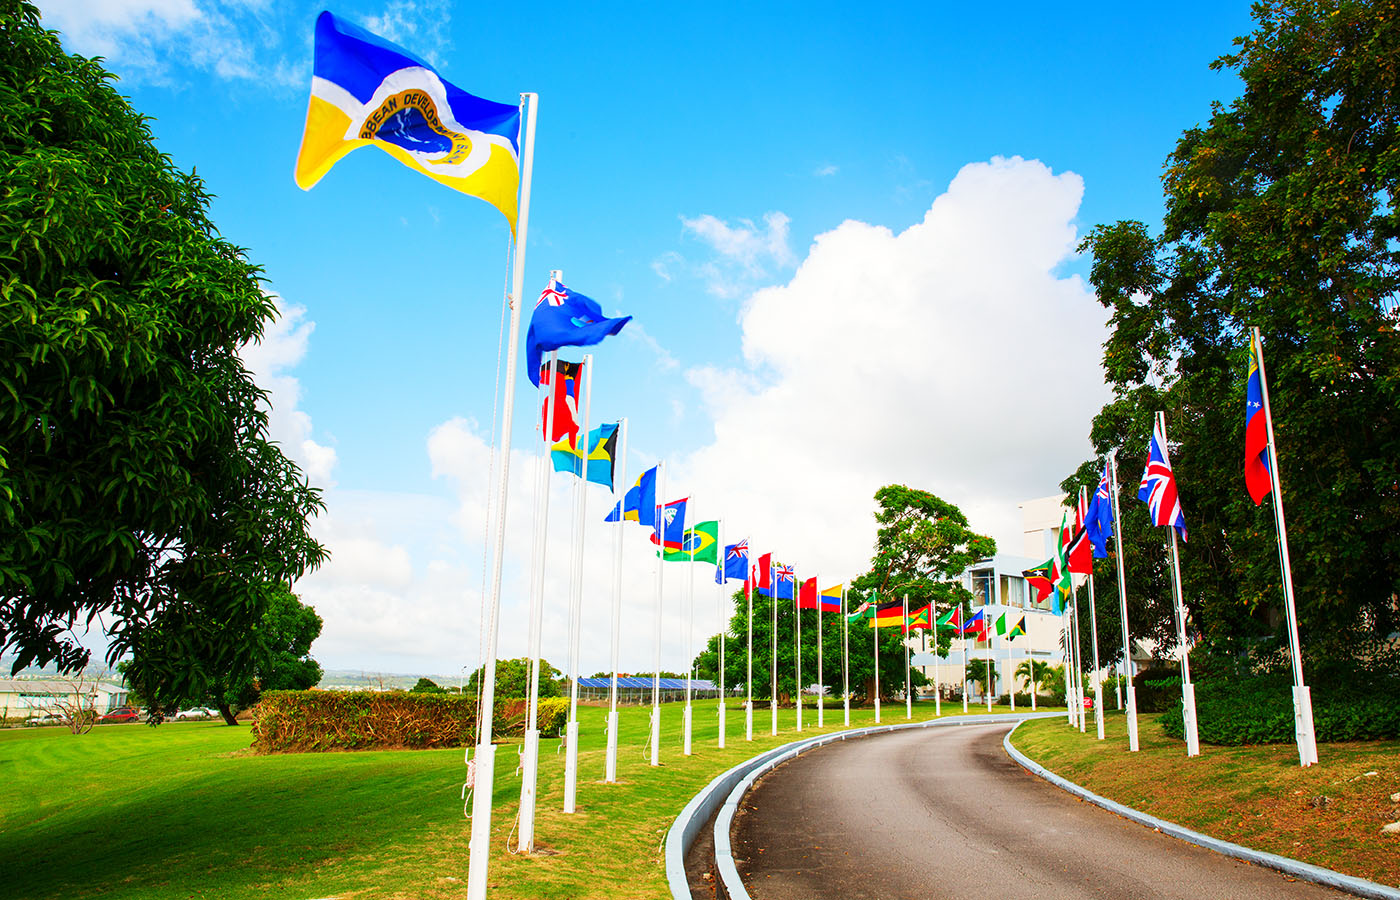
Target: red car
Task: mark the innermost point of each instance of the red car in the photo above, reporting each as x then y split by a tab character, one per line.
121	714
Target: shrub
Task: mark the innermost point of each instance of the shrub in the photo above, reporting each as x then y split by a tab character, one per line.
552	715
1258	709
1158	690
314	721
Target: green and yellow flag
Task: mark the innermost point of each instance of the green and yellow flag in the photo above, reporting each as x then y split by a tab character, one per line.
703	540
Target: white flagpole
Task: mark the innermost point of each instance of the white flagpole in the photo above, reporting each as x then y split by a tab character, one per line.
1098	681
875	650
690	615
1188	690
620	493
1009	677
483	775
845	659
720	556
659	523
530	747
937	674
1123	605
821	683
773	663
991	653
749	588
962	634
1302	697
908	679
1078	664
797	642
576	607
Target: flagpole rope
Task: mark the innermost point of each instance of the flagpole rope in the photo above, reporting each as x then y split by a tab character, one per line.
482	617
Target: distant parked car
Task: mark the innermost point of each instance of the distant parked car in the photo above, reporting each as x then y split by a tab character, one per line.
121	714
47	718
199	712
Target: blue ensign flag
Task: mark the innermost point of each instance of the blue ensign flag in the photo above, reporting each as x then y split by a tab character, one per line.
565	318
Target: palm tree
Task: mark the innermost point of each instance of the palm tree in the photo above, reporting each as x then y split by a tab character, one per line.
1033	672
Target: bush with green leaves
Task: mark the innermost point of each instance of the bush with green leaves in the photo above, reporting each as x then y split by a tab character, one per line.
1258	709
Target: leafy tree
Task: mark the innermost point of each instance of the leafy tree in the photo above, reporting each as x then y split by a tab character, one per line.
982	671
513	679
1281	214
137	481
427	686
281	661
1032	673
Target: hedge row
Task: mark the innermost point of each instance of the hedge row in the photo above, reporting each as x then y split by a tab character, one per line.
1259	710
317	721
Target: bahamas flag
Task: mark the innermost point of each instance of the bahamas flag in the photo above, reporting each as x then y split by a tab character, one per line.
602	448
366	91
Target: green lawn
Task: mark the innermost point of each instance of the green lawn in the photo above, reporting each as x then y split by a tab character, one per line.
1329	815
185	810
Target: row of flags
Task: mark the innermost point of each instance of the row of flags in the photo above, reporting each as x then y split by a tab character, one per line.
1086	537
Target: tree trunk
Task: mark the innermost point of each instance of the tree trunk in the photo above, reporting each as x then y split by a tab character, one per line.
230	717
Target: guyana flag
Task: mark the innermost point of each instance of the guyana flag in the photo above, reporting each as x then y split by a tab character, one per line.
702	539
951	620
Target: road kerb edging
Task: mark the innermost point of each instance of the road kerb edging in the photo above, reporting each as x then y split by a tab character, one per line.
727	789
1305	871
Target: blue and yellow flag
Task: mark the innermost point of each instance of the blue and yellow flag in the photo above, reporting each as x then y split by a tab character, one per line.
602	450
366	91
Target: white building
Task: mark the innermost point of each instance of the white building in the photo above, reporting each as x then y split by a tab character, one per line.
23	698
999	590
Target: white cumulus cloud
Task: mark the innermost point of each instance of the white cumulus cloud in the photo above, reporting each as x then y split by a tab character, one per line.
282	347
951	357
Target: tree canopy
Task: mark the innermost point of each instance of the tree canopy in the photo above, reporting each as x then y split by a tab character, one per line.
137	480
1281	214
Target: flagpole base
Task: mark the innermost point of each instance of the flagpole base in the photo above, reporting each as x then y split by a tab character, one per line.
721	723
937	702
479	854
1303	726
1132	718
748	720
846	708
774	709
656	735
610	773
1188	717
529	776
685	726
571	767
821	712
877	710
1098	709
909	705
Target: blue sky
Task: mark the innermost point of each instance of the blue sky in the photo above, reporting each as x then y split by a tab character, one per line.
847	241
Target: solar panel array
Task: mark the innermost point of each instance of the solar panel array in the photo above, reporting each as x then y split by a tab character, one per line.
633	681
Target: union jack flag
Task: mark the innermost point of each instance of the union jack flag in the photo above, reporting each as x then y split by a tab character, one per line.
1158	487
735	564
552	296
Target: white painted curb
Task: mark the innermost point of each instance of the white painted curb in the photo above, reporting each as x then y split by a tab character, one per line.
729	788
1349	883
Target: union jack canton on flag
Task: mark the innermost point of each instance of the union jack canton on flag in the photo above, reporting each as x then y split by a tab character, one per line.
1158	487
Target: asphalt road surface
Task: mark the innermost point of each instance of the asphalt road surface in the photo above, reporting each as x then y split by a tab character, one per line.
944	813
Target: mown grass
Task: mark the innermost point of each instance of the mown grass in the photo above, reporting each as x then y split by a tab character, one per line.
185	810
1329	815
